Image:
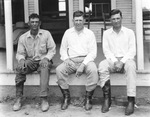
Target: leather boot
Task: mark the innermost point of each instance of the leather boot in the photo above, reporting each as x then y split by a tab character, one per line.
88	100
19	95
66	98
44	104
107	97
130	107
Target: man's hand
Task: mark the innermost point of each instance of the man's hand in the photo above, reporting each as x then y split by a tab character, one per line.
118	66
44	62
21	64
80	70
30	63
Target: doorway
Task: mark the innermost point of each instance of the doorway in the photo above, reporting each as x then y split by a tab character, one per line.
54	17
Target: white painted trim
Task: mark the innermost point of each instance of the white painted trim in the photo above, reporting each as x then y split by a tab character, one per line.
139	34
36	6
9	34
113	4
81	5
34	79
133	11
70	12
26	11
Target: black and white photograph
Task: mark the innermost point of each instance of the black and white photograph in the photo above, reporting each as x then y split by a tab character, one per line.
74	58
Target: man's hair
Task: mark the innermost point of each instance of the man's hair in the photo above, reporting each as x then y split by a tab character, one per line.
115	11
78	14
34	15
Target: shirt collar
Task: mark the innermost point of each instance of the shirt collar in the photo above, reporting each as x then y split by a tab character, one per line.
38	35
82	31
122	30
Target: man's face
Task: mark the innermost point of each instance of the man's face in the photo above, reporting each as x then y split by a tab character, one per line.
78	23
34	23
116	20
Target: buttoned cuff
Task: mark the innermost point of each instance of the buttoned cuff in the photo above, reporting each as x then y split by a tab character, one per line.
21	57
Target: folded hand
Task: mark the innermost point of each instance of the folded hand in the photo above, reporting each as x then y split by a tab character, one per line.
44	62
118	66
80	70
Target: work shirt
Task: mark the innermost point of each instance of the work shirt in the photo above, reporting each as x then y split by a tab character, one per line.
76	44
42	46
119	45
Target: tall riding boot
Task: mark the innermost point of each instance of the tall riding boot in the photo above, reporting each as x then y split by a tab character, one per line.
88	100
19	94
107	97
130	107
66	98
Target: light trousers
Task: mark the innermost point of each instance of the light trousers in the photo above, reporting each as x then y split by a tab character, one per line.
63	71
107	66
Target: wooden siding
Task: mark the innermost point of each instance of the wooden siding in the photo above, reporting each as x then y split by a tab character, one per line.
31	6
75	5
126	7
96	28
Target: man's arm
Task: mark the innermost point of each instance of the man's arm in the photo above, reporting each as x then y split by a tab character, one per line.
21	52
51	46
64	48
92	50
132	48
106	49
92	53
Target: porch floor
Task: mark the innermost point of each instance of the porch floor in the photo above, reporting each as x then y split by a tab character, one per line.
57	61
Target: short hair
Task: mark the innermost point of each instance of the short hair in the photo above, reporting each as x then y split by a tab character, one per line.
78	14
34	15
115	11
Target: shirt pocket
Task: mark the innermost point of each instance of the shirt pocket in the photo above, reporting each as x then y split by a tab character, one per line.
43	49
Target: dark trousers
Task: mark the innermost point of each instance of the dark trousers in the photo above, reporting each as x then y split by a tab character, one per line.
44	77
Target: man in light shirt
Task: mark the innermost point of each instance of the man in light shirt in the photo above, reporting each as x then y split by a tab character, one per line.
78	51
36	49
119	48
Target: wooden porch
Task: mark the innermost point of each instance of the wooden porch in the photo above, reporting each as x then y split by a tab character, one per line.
118	82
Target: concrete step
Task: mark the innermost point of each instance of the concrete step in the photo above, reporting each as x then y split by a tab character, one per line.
77	88
143	79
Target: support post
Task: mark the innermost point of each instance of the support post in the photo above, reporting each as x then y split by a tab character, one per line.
139	34
9	34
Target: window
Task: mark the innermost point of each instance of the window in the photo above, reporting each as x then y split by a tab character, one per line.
98	8
62	7
146	9
54	17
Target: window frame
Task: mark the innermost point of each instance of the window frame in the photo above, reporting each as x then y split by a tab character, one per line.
96	16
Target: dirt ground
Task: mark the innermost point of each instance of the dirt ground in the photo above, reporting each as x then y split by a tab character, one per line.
31	108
